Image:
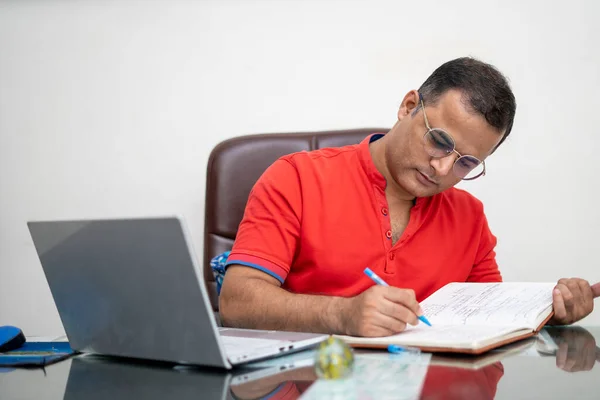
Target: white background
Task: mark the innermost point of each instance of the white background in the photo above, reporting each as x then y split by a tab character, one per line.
111	108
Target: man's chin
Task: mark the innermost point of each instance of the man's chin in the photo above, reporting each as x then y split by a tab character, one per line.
416	189
422	192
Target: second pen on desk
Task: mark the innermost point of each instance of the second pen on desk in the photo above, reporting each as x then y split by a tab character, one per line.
380	281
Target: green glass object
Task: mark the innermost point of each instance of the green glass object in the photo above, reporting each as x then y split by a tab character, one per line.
334	359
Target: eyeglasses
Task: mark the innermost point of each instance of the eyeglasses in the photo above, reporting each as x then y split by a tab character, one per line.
439	144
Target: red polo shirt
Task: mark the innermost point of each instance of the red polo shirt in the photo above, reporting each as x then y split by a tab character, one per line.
315	220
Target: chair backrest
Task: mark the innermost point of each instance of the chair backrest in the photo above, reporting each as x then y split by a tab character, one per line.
235	165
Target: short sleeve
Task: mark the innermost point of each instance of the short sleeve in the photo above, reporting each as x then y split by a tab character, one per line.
269	232
485	268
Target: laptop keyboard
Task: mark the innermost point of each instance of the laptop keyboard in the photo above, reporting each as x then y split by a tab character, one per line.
237	346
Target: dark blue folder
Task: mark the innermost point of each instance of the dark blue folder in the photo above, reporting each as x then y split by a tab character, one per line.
36	354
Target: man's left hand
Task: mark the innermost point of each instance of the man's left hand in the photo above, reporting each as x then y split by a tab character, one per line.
573	299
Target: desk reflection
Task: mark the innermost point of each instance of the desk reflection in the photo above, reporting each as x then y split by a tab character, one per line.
286	385
452	377
92	377
577	349
447	377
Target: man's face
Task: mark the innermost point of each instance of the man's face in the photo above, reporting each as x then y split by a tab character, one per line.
410	165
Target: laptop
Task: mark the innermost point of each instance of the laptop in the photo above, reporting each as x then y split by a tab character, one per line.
133	288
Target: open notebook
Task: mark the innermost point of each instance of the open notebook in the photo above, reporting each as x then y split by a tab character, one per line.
473	318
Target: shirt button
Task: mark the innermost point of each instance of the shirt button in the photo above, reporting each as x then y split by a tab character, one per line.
388	234
391	256
384	211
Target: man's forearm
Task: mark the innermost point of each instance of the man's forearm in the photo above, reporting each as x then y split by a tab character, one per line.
257	304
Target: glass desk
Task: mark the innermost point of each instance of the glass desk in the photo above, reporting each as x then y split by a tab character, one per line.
561	363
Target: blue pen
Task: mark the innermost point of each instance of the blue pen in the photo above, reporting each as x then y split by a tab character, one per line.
380	281
395	349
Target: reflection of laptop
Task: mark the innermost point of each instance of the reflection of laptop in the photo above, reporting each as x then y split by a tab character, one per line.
93	378
96	377
267	368
132	288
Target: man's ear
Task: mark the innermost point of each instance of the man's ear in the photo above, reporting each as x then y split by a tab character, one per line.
409	104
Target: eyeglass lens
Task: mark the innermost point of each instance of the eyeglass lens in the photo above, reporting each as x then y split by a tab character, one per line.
439	143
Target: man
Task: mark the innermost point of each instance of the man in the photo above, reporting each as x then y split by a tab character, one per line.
315	220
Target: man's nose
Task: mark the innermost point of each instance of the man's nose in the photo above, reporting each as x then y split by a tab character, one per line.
443	166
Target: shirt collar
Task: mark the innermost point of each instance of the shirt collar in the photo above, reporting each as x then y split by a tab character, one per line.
367	163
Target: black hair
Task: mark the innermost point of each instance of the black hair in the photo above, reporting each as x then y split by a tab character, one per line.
485	90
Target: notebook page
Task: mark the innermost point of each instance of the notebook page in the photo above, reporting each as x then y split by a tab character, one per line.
499	304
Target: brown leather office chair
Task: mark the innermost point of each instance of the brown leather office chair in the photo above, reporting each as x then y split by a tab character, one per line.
235	165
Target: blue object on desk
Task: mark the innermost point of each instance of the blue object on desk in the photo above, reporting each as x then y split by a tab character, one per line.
381	282
11	338
36	354
395	349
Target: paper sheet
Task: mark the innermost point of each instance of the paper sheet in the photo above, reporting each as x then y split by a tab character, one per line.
376	376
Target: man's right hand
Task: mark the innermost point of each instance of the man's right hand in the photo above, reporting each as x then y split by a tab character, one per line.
380	311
